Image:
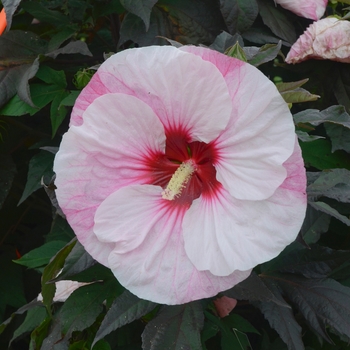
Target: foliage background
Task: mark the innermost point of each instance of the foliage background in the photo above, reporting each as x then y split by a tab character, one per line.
300	300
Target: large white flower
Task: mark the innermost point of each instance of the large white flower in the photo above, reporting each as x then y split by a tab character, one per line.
181	171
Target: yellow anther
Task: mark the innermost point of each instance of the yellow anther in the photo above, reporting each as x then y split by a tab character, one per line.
179	180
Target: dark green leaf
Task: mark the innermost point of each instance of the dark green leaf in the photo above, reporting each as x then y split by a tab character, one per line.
43	14
319	155
277	21
333	114
339	136
39	166
77	261
224	40
33	319
51	271
325	208
71	48
239	15
58	39
315	223
42	255
140	8
253	289
238	322
305	137
341	86
284	87
322	302
175	327
102	345
57	111
236	51
70	99
60	230
282	319
265	54
7	174
10	8
125	309
82	307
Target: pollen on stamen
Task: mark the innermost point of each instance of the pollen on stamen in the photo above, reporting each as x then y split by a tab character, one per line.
179	180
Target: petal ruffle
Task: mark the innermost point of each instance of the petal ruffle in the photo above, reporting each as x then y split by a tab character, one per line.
188	103
260	135
313	9
104	154
149	257
237	234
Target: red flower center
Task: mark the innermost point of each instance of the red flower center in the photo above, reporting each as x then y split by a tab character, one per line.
179	151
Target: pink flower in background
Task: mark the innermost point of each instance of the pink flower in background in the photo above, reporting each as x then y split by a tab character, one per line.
224	305
181	171
313	9
327	39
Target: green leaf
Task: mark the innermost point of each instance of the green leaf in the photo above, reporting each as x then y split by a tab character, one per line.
253	289
339	136
299	95
73	47
236	51
59	38
341	85
325	208
125	309
40	256
60	230
322	302
319	155
290	86
70	99
77	261
305	137
57	111
239	15
282	319
265	54
225	40
277	21
140	8
175	327
82	307
33	319
39	166
7	174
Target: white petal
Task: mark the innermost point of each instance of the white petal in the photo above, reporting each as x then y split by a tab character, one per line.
183	90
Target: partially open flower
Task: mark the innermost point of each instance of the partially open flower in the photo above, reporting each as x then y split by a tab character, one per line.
181	171
326	39
313	9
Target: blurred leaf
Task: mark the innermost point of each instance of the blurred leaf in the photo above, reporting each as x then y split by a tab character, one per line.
77	261
284	87
341	85
40	256
43	14
333	114
319	155
82	307
277	21
262	35
125	309
333	183
7	174
239	15
325	208
322	302
10	8
253	289
140	8
339	136
298	95
33	319
51	271
265	54
102	345
305	137
315	223
39	166
71	48
60	230
282	319
59	38
175	327
225	40
57	111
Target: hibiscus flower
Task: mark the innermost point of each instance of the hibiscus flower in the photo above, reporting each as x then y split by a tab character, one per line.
181	171
326	39
313	9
